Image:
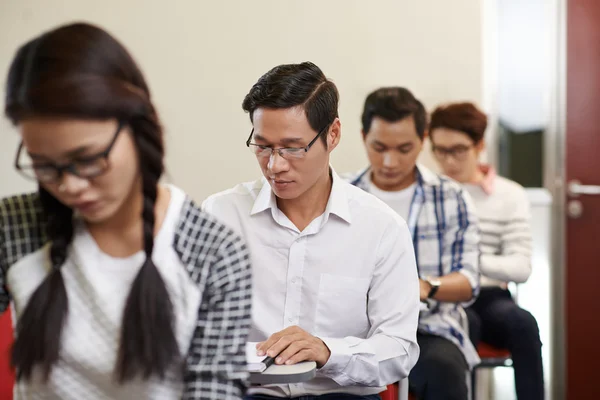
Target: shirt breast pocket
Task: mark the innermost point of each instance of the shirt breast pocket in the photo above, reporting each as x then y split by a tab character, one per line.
342	306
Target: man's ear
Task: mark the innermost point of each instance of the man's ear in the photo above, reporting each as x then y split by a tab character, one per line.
334	135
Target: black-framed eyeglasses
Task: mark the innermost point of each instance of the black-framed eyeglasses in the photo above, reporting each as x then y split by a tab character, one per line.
262	151
87	167
458	152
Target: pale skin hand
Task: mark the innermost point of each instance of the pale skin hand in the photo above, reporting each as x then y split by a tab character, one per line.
293	345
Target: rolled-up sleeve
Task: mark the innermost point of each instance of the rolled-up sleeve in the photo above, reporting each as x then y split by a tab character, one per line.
461	240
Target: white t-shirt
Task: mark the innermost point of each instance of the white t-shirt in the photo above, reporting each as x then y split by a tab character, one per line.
399	200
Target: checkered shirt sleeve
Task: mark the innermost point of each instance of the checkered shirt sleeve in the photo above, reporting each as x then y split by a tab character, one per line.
219	261
22	231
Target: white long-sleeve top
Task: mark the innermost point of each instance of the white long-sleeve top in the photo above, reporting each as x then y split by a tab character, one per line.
505	227
349	278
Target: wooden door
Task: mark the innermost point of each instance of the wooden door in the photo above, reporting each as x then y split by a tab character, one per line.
582	270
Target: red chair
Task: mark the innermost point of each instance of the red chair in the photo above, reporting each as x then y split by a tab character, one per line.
491	357
393	392
7	375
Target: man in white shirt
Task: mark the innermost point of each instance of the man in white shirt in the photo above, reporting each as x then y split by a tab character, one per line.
334	271
443	226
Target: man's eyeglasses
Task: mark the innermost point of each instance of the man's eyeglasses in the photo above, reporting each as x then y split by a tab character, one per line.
84	167
262	151
458	152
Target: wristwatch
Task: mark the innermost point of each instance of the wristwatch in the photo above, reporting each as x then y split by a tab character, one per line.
435	285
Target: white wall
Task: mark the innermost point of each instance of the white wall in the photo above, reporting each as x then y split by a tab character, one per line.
201	57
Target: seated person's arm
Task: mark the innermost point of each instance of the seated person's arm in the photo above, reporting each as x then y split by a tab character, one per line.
4	296
455	287
216	359
461	252
514	263
390	350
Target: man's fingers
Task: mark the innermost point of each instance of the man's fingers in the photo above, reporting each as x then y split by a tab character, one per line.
274	344
279	346
302	355
291	350
262	347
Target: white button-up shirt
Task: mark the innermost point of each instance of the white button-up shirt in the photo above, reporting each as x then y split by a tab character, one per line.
349	278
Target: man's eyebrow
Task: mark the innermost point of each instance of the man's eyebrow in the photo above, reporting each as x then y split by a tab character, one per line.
285	141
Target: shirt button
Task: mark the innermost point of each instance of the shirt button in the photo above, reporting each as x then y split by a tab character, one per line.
293	280
291	319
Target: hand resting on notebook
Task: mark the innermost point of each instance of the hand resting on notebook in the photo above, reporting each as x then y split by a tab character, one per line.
293	345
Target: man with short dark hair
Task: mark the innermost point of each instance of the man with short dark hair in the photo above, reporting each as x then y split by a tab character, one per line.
443	227
334	272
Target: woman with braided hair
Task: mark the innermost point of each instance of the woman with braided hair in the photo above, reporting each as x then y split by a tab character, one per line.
121	287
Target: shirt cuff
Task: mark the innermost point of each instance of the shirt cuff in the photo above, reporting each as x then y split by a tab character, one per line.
342	350
473	279
341	354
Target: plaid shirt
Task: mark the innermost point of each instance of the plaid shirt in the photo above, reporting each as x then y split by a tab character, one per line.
445	235
216	260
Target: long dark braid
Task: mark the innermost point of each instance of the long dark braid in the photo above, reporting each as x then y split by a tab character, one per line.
44	316
148	344
80	71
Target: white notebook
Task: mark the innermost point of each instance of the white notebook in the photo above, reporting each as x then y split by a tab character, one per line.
253	360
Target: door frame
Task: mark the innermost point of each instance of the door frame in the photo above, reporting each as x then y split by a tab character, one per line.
554	167
555	182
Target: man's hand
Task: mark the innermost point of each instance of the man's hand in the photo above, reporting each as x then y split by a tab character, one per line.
425	289
293	345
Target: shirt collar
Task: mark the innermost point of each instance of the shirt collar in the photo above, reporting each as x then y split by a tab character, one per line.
265	200
423	175
426	176
338	199
487	184
337	203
